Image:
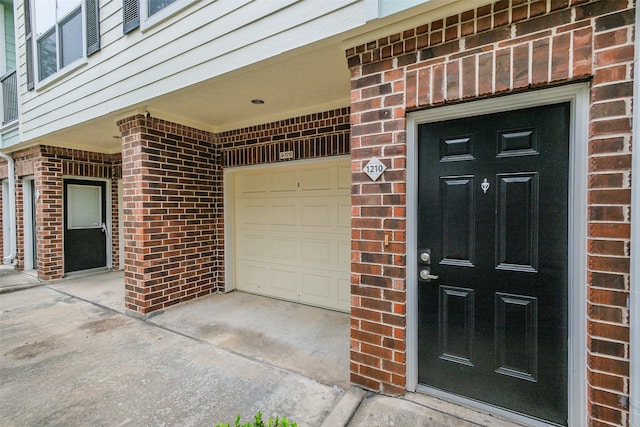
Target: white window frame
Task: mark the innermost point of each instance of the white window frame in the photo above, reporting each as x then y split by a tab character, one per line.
147	22
61	71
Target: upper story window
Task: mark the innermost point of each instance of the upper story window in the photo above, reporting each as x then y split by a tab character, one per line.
157	5
61	34
58	26
147	13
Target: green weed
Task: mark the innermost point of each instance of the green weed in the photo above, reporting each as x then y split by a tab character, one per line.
259	422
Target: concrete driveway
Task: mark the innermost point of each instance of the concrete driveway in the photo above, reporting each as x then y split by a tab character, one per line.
69	356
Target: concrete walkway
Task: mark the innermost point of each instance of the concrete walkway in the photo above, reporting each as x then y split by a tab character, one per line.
12	280
69	355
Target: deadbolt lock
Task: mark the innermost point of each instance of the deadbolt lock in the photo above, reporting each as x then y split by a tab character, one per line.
424	256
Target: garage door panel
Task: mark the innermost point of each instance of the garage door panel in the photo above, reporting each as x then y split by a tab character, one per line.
344	293
344	176
284	213
316	178
284	181
252	183
252	213
316	251
344	254
285	250
253	277
344	215
293	232
284	283
326	251
317	287
324	291
251	245
316	215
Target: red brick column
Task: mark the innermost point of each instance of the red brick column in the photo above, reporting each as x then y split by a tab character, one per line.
115	229
25	162
609	228
378	302
172	192
49	217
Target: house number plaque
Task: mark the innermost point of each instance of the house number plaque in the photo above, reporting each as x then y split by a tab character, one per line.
374	169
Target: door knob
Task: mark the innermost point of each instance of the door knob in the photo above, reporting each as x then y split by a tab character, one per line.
426	275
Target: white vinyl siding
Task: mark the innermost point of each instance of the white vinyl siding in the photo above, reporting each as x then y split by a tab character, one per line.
199	42
292	232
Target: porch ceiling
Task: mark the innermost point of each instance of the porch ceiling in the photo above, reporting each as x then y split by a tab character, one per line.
292	84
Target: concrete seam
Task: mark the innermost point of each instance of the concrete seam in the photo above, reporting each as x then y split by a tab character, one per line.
343	411
17	288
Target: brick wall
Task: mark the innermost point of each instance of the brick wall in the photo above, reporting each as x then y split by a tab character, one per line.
49	219
499	48
314	135
87	164
25	161
172	197
49	165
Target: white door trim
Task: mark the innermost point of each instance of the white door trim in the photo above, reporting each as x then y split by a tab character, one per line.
6	247
28	191
578	96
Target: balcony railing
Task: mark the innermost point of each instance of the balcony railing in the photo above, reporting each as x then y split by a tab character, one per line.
9	97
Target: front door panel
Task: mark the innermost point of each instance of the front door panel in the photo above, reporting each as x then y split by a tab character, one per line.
85	239
492	214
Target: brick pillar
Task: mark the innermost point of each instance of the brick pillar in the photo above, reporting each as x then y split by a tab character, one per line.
609	205
171	190
378	302
49	217
25	162
116	174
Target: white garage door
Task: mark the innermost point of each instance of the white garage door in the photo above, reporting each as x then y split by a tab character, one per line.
292	232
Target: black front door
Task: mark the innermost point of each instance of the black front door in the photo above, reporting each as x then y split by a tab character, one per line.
85	231
493	228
